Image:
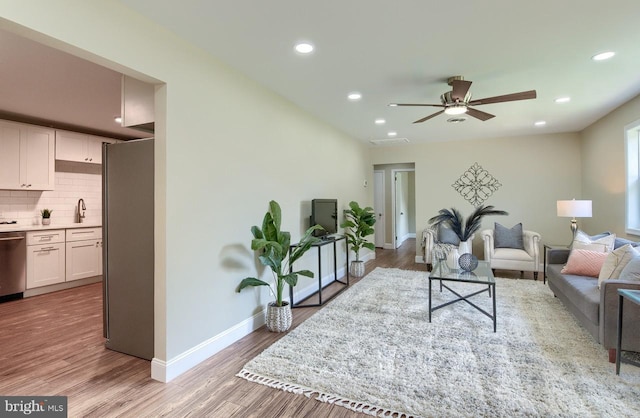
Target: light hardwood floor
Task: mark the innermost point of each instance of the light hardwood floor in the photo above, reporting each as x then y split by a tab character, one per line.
53	345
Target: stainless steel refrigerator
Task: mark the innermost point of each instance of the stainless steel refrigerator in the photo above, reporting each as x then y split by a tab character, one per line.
128	255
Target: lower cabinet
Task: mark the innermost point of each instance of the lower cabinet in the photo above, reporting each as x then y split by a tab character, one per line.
45	262
84	253
84	259
56	256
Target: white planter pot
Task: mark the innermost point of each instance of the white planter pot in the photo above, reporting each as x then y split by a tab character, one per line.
46	221
464	247
357	268
278	318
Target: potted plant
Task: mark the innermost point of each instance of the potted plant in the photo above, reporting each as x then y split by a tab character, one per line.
46	216
463	229
273	246
358	225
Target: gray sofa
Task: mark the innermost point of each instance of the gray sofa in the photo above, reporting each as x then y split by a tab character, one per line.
595	309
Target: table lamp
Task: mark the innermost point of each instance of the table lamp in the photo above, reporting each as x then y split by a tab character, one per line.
574	209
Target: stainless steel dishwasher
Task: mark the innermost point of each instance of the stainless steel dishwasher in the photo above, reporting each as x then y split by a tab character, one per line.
13	256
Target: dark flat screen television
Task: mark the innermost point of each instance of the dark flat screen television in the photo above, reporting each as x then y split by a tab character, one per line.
324	212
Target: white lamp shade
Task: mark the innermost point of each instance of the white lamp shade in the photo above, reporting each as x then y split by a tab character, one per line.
574	208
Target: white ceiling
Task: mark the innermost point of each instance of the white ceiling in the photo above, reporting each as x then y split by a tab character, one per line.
390	51
404	50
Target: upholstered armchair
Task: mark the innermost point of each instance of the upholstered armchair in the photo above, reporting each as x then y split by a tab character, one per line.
509	253
437	241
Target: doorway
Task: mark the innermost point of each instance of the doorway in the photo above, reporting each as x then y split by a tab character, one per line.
385	198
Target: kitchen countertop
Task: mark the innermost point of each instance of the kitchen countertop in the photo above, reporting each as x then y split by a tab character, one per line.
24	227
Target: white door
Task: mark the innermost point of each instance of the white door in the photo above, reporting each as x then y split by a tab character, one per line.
401	205
378	203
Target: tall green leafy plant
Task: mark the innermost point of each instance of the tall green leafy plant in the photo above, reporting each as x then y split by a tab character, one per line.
273	246
464	229
358	225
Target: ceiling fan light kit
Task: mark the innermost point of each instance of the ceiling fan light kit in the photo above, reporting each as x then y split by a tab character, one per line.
458	101
455	109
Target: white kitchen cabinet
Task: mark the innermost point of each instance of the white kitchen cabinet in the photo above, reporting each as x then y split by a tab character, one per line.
26	157
138	104
78	147
45	262
83	253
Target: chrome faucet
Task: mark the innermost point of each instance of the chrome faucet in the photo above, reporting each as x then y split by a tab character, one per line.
81	207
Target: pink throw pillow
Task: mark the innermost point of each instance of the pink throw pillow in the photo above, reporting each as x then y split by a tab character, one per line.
584	263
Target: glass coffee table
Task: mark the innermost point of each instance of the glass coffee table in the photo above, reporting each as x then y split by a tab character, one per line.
481	275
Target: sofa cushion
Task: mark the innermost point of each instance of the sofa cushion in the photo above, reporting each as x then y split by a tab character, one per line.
585	263
512	254
615	262
600	242
631	271
582	291
508	237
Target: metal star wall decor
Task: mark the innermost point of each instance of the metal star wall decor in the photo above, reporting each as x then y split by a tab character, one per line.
476	185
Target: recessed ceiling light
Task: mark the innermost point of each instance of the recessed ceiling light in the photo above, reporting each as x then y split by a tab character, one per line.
393	104
354	96
304	48
563	99
392	133
118	119
380	121
540	123
603	56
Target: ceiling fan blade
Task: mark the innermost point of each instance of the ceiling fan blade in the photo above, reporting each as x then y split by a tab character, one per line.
460	89
523	95
429	117
478	114
415	104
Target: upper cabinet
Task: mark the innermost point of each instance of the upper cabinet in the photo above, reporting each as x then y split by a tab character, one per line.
26	157
82	148
138	110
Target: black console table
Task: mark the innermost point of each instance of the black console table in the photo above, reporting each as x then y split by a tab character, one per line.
318	245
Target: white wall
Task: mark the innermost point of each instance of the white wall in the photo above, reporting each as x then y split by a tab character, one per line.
535	172
72	182
603	159
225	146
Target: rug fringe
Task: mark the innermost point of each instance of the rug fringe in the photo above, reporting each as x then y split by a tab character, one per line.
322	397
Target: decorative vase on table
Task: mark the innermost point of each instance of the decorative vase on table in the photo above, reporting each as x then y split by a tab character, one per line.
46	221
468	262
465	257
278	317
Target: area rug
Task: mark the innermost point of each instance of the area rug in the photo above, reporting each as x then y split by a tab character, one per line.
373	350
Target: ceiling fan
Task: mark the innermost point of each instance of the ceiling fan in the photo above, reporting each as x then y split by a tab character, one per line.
458	101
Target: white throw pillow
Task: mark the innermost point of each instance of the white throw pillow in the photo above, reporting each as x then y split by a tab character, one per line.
615	262
583	241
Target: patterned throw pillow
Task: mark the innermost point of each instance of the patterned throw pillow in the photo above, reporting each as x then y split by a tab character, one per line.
616	261
583	241
584	263
508	238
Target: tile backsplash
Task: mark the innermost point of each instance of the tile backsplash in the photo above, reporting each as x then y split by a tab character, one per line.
73	181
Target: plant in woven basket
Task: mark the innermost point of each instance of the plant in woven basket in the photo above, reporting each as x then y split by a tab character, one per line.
273	246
